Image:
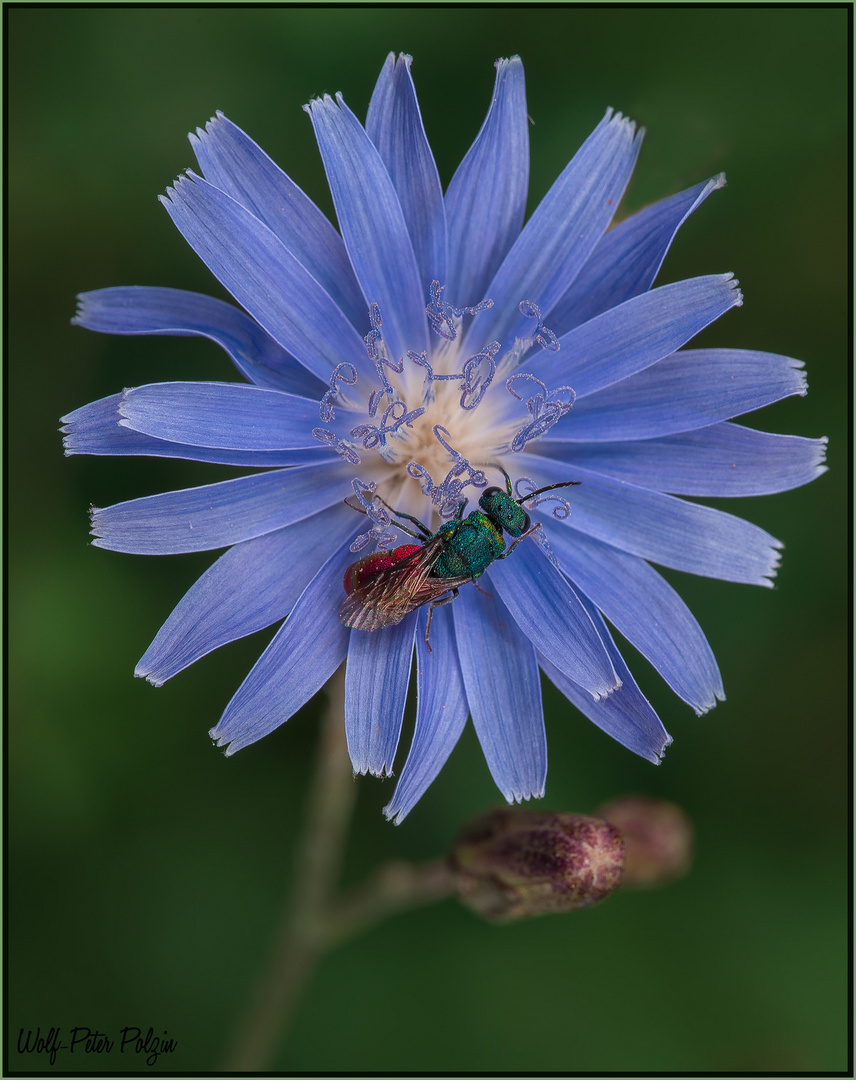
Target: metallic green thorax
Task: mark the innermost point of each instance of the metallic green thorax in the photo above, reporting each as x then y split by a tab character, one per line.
472	545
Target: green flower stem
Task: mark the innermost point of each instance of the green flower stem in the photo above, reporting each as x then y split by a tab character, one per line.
300	940
314	921
394	887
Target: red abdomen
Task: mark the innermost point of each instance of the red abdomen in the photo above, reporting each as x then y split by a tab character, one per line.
363	570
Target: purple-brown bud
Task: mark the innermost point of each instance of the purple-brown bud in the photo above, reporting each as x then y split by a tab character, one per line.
513	863
658	836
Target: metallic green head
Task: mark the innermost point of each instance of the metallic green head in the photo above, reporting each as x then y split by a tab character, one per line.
504	511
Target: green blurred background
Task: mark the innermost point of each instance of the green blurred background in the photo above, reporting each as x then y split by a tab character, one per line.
145	871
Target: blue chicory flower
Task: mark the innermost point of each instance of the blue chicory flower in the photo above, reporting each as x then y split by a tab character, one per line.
406	362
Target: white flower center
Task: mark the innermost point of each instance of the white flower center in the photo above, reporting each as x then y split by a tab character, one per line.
433	425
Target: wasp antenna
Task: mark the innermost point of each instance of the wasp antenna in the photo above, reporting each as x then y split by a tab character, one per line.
549	487
508	486
494	465
425	531
359	509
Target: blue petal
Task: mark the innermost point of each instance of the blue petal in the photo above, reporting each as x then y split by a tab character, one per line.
231	161
646	610
441	713
626	714
634	335
504	694
691	389
724	460
264	277
251	586
140	310
218	515
228	415
301	658
376	681
628	258
662	528
95	429
561	234
394	125
551	615
372	224
486	199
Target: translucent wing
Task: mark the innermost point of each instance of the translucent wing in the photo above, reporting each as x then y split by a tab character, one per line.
394	593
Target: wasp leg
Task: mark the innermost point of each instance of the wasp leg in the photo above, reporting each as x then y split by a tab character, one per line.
431	606
514	543
426	532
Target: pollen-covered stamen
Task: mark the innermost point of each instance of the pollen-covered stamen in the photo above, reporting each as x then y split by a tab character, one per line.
461	463
430	375
377	513
325	406
475	380
374	436
374	337
377	352
546	408
334	442
560	512
447	495
441	314
545	338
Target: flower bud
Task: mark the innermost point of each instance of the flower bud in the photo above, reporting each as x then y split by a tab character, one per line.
658	836
512	863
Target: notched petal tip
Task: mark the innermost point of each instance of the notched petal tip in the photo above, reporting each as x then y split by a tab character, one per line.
69	441
395	816
95	524
380	772
144	673
221	742
704	707
519	797
80	311
620	120
319	101
773	565
179	187
211	125
734	283
658	756
609	691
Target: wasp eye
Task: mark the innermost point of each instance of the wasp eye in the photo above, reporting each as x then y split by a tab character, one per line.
526	523
488	493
